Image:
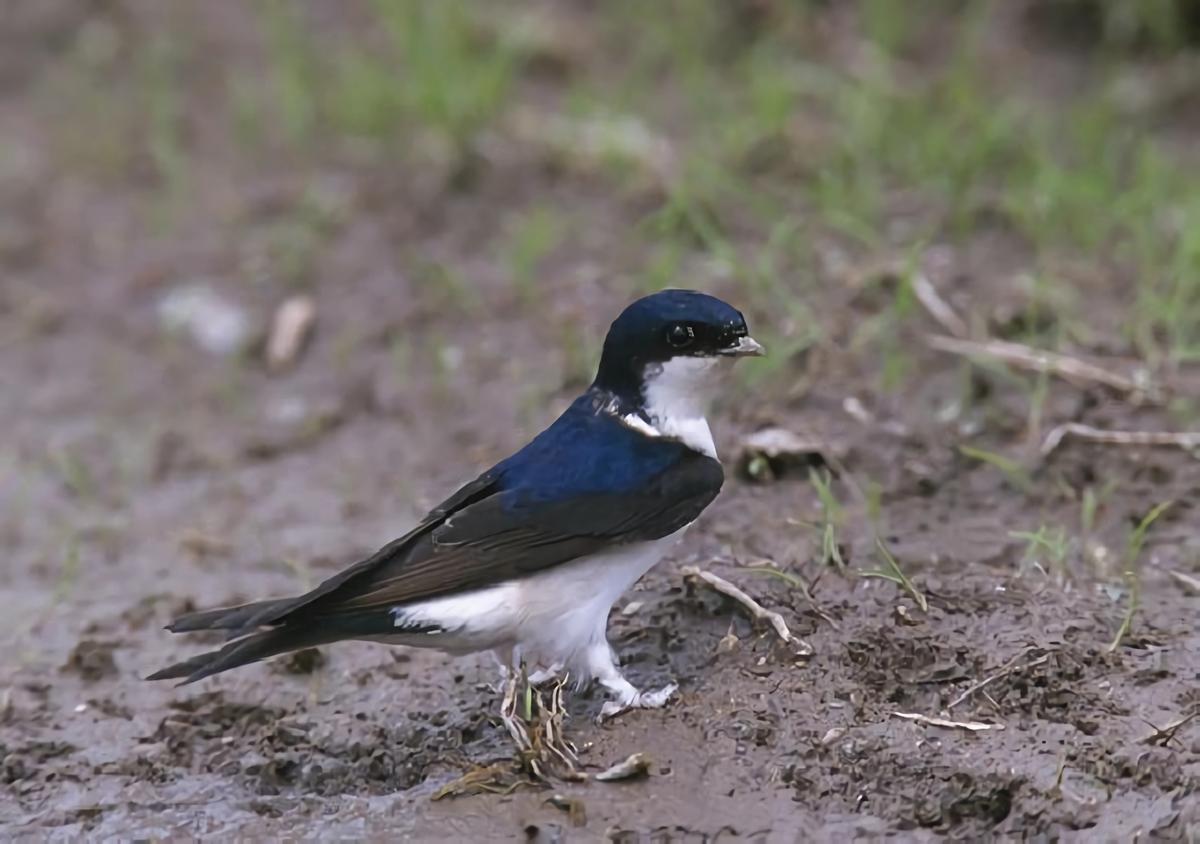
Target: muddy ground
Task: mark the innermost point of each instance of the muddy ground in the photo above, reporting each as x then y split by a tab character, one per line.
144	476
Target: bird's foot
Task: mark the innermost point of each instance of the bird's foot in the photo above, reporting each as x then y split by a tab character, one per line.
656	699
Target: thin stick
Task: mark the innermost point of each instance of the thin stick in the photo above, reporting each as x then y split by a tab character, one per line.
1162	736
769	567
1184	439
937	307
1009	667
756	610
1189	583
1026	357
553	741
973	726
508	712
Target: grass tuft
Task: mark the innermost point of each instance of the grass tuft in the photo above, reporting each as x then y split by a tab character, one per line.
831	518
1050	544
1133	551
891	571
1014	473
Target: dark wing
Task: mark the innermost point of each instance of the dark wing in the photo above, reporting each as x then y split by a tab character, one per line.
239	620
495	539
585	484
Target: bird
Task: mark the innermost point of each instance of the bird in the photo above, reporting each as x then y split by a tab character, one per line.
528	559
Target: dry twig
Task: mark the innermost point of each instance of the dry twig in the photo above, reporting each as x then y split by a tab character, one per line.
1010	667
490	779
756	610
1162	736
1026	357
796	582
550	743
1189	583
937	307
1184	439
973	726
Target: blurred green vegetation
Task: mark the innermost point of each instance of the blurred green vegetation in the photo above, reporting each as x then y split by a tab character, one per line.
756	135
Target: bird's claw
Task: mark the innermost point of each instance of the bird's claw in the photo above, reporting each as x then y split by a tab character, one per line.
658	698
641	700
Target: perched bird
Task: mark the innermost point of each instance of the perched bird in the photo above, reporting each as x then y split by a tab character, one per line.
528	559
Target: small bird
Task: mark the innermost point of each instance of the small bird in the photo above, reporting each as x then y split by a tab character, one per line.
528	559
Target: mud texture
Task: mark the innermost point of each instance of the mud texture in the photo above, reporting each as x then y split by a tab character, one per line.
143	476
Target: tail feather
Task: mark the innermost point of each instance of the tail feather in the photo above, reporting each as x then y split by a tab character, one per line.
237	619
252	648
251	642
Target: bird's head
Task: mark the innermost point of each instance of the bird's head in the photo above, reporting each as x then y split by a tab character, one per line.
666	351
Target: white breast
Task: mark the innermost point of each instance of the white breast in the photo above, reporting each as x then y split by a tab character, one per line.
552	616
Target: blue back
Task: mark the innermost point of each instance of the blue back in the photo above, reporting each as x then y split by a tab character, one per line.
584	452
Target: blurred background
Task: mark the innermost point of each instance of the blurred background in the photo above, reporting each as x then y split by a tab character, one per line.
462	194
275	275
484	158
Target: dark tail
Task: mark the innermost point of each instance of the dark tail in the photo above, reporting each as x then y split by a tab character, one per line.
238	620
252	648
251	639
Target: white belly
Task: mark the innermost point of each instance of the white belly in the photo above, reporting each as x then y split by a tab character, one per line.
551	616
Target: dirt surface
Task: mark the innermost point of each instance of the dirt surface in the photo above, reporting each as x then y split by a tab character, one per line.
144	476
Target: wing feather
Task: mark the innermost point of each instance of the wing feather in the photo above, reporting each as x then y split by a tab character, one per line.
499	538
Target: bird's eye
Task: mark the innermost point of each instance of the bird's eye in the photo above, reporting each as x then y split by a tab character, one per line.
680	336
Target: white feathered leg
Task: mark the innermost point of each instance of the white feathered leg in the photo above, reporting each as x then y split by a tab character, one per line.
602	666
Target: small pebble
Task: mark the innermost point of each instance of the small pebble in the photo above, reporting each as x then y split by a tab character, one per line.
215	324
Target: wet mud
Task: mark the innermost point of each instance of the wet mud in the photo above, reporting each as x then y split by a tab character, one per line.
143	476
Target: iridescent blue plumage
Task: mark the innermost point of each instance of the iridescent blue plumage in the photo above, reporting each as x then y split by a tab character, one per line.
528	559
586	451
589	450
637	337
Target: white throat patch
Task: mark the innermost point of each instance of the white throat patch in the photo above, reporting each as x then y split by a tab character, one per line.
676	396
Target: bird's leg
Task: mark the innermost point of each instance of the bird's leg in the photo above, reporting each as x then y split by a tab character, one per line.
603	667
503	657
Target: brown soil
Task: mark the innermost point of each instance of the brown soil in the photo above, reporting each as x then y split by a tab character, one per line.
143	477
